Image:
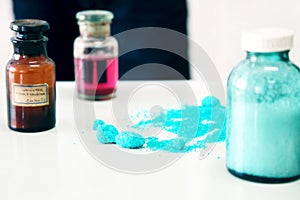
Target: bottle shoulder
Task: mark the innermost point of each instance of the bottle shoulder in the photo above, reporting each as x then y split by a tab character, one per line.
29	63
105	47
95	41
249	69
264	82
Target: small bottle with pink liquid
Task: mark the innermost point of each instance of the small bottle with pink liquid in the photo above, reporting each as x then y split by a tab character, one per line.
95	56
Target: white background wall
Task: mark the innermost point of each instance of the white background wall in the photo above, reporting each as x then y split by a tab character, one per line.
215	25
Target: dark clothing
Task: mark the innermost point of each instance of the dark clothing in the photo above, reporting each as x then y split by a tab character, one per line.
129	14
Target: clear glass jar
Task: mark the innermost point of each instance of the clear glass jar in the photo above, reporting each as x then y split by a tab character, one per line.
263	110
95	56
30	79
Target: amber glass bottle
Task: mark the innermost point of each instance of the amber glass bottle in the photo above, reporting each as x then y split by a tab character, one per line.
30	79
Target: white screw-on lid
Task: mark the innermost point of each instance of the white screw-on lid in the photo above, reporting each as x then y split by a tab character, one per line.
267	40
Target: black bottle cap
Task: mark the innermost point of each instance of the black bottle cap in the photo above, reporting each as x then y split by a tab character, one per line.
29	29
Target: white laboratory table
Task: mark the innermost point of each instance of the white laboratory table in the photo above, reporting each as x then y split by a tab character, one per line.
57	165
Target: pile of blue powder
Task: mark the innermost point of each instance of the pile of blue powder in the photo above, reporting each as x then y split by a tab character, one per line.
193	126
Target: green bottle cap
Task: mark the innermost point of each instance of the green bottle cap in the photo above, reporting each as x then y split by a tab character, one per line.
95	16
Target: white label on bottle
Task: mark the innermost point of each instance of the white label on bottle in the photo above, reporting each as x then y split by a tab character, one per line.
30	95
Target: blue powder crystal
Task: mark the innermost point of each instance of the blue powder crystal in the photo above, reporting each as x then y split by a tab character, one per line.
188	123
97	123
198	145
175	145
155	145
152	143
106	134
130	140
210	101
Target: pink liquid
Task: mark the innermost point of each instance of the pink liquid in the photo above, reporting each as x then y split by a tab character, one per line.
96	78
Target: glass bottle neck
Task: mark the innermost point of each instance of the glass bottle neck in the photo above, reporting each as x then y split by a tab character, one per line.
27	48
94	29
273	56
